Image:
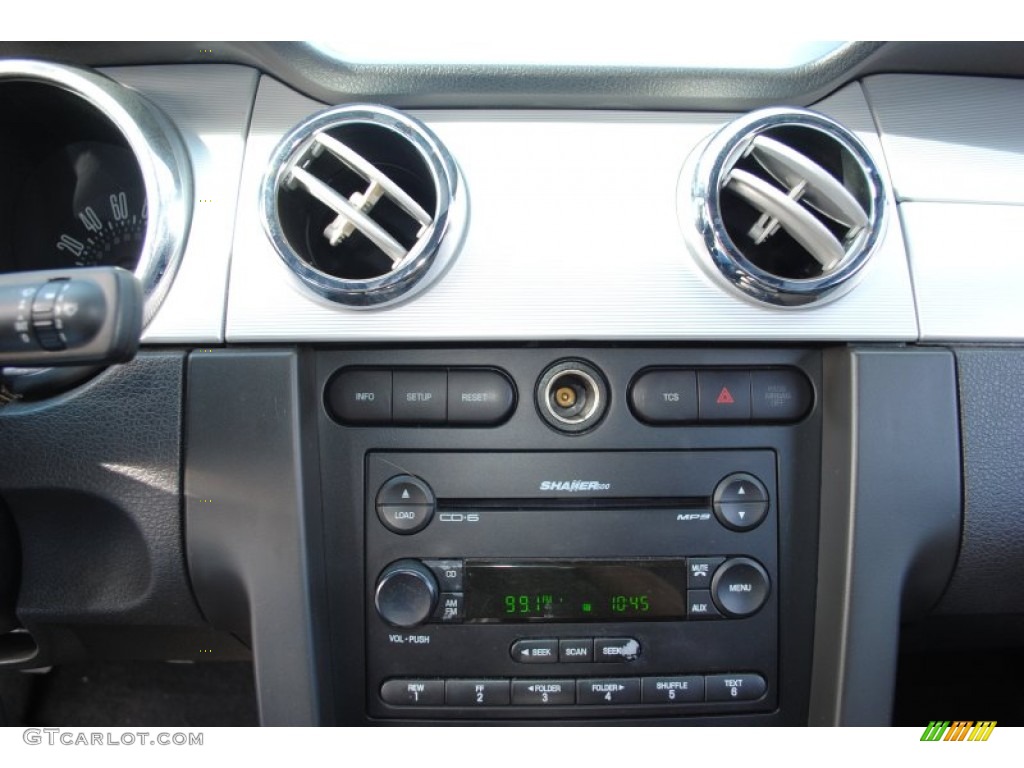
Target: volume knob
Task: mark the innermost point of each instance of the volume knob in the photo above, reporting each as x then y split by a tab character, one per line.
406	593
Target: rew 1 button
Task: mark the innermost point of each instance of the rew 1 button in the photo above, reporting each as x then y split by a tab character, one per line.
413	693
405	504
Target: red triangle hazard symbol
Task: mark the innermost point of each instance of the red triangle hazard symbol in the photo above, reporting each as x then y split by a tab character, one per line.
725	397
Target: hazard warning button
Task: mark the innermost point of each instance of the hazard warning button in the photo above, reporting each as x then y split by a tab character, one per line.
723	395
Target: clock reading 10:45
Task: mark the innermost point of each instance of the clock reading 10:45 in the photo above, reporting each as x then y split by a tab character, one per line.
544	605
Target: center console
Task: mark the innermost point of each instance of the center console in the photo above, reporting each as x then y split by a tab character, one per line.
569	534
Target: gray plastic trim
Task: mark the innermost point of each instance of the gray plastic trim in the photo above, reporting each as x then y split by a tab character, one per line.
211	106
575	87
951	139
967	267
411	86
250	482
890	520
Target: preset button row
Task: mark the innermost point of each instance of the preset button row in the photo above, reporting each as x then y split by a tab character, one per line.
662	689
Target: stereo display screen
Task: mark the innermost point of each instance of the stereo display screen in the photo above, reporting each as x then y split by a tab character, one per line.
574	590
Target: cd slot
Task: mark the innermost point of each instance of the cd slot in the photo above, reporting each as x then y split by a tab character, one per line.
544	504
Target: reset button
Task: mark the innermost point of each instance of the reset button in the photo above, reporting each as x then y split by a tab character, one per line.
478	397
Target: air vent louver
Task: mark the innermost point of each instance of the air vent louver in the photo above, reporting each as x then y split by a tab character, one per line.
788	207
364	204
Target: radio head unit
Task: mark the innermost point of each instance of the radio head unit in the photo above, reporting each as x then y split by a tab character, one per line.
599	583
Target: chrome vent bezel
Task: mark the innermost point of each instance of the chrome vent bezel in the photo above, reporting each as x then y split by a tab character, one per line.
438	242
700	191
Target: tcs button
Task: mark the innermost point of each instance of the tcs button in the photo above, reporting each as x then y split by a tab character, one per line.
665	397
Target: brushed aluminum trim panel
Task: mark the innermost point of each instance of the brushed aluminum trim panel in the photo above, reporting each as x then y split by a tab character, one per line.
210	104
951	138
574	235
968	270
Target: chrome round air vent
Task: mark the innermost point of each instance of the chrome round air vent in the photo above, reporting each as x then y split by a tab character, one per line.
783	206
364	204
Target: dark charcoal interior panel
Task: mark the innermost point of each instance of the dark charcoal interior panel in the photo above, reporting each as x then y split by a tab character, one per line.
890	519
987	578
92	482
251	507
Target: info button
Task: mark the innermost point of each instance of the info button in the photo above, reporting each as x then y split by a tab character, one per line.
360	396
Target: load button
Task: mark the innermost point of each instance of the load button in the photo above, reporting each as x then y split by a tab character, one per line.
405	504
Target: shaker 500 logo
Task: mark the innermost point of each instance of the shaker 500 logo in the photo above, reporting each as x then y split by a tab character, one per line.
574	486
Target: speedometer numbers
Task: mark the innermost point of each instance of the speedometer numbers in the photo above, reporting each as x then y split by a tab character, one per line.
107	231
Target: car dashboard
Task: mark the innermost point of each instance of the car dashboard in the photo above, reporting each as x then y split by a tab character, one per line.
498	394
